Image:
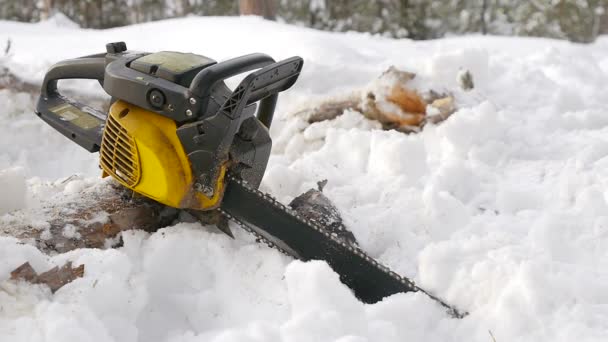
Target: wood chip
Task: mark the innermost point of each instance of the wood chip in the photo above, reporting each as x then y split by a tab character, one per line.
315	206
54	278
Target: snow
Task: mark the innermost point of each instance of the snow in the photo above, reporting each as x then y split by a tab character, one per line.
58	20
70	231
12	183
500	210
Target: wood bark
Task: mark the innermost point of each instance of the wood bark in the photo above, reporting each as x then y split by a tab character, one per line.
81	226
411	112
54	278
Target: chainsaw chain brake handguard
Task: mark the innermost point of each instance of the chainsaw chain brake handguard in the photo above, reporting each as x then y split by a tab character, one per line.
209	141
216	126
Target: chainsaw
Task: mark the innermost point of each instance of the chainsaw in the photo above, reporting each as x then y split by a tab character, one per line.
176	133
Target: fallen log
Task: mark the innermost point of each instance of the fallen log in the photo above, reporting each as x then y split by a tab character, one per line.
117	209
93	220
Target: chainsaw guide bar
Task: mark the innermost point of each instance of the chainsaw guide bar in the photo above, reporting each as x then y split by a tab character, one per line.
280	227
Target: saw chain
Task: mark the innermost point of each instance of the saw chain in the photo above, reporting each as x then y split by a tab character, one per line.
283	229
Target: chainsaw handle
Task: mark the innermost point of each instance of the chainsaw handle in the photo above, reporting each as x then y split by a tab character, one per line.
206	79
264	85
84	68
76	121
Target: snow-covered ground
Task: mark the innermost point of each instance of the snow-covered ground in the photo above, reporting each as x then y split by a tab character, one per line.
502	210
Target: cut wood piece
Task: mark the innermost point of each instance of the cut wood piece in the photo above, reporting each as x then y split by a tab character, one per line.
391	119
401	76
393	101
444	107
24	272
315	206
54	278
331	109
408	100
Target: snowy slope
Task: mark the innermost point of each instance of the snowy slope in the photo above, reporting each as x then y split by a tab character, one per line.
502	210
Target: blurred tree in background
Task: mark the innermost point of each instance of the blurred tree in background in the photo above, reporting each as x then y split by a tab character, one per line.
576	20
263	8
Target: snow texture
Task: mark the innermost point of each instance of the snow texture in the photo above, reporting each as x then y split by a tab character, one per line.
501	210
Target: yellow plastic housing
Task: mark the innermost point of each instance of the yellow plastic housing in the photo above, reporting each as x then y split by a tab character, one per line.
141	150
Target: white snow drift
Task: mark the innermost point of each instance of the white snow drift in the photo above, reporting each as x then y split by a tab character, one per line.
502	210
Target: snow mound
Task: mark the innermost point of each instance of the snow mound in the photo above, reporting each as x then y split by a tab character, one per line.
12	183
58	20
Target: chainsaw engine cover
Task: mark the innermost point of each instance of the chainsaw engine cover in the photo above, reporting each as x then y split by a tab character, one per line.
176	67
141	150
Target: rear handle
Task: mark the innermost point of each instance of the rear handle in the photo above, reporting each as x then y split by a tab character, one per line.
82	124
82	68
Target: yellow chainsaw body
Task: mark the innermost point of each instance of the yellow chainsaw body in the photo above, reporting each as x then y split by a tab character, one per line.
141	150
